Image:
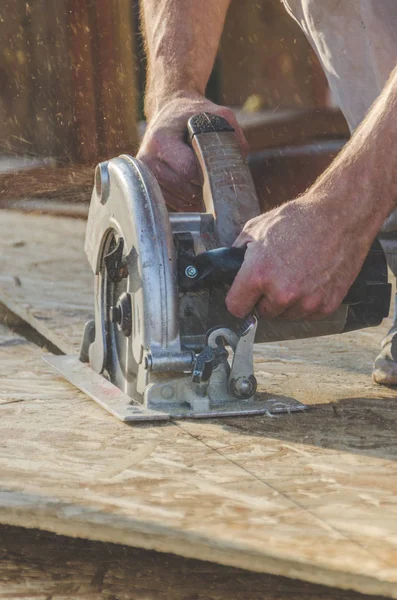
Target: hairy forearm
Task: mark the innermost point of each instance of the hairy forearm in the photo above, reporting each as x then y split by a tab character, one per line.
182	38
362	180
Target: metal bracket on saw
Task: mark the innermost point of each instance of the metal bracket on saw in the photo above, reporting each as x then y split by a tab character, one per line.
121	406
211	388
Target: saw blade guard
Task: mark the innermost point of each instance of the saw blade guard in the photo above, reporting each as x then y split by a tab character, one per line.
130	249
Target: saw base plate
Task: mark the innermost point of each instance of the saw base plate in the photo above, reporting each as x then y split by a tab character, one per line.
112	399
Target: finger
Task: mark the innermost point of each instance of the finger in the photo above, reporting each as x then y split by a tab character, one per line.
266	310
180	204
252	283
311	308
246	234
244	293
329	307
191	201
174	183
276	302
242	240
197	181
182	160
177	192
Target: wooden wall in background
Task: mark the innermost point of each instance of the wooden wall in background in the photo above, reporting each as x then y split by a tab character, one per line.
264	53
70	75
68	79
15	105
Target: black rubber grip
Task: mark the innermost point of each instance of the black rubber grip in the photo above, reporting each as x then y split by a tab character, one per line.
210	268
207	123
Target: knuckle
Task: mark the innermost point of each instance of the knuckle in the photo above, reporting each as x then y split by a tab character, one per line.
278	299
284	296
149	150
252	223
329	308
311	304
325	311
257	281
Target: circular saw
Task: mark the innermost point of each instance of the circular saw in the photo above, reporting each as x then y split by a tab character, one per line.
162	344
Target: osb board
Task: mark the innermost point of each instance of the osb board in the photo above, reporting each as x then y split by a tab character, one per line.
44	276
244	492
310	496
44	566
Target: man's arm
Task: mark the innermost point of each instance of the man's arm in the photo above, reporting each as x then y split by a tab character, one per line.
182	38
303	256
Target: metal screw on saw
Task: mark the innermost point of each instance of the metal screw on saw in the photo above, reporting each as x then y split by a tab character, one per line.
148	362
191	272
244	387
121	314
102	182
115	314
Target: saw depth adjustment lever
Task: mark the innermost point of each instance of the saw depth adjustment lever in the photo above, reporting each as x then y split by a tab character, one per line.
212	363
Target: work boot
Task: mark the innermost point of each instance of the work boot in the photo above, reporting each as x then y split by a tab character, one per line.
385	367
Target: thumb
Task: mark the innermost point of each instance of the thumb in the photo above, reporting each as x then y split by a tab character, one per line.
242	240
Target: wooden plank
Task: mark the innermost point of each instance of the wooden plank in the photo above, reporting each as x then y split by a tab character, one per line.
40	565
59	208
310	496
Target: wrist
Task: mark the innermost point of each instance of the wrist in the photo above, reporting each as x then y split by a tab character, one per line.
157	97
347	190
341	214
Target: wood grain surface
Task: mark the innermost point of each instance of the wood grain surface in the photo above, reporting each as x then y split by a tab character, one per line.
309	496
44	276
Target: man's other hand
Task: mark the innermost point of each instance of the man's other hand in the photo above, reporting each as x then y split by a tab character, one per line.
166	152
300	261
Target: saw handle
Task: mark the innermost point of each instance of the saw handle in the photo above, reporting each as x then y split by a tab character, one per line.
220	266
228	189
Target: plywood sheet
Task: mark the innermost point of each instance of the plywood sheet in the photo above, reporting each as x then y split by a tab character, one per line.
309	496
44	277
40	565
69	467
